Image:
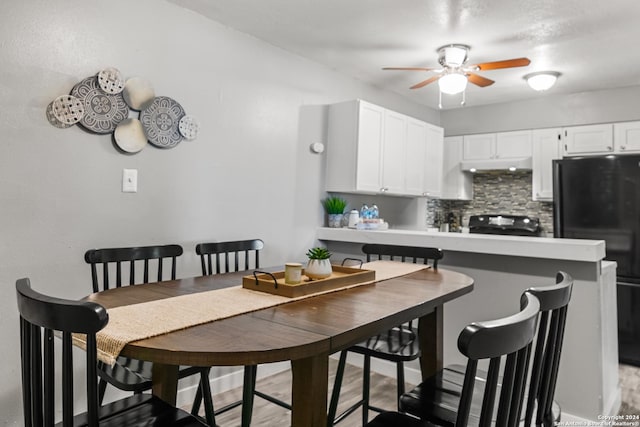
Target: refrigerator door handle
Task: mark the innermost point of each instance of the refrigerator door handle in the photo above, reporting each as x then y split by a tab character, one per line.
633	285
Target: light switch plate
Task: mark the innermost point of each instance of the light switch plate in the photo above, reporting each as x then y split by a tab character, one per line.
129	180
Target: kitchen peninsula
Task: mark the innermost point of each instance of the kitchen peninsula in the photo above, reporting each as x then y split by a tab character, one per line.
502	268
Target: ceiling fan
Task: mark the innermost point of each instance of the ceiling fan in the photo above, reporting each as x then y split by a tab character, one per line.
452	78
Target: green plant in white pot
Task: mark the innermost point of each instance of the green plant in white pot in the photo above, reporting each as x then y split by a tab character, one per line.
319	265
334	206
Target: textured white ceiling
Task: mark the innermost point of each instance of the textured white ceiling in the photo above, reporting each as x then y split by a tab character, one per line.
592	43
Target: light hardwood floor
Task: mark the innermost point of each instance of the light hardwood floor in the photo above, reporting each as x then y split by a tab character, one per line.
383	394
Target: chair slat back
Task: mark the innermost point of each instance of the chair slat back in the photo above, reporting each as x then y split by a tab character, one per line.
103	258
554	301
508	339
224	251
40	317
403	253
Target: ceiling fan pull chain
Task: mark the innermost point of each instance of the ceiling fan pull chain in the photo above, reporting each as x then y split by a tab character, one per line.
440	100
464	98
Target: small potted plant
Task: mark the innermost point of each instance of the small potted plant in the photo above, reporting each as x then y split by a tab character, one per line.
334	206
319	265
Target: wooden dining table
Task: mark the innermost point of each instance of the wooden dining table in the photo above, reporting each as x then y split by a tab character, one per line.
304	332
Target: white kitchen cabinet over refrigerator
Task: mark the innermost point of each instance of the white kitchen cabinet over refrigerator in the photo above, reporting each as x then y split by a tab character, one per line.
591	139
626	137
372	150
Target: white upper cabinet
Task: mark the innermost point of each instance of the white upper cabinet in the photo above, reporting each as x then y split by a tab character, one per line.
626	137
456	185
433	176
501	145
591	139
394	147
416	153
547	146
512	145
479	146
374	150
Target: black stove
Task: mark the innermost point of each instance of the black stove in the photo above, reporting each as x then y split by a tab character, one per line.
514	225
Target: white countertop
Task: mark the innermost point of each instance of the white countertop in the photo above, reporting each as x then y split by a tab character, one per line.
533	247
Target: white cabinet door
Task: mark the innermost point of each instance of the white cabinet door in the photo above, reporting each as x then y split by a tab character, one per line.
393	158
479	147
456	185
592	139
626	137
434	162
546	148
369	152
416	154
511	145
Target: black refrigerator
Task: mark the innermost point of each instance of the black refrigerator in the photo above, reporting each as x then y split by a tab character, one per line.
599	198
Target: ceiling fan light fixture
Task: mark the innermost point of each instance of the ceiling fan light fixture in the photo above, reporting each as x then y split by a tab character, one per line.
452	83
542	80
453	55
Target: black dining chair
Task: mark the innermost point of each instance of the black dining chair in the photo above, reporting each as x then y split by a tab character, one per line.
42	318
226	257
506	344
398	345
436	398
118	268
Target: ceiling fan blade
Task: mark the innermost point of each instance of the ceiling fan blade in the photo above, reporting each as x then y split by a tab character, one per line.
408	68
425	82
479	80
509	63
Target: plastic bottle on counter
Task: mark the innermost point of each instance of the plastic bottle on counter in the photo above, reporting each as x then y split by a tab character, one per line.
364	211
375	213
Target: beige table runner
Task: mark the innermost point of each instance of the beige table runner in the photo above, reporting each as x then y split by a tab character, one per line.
139	321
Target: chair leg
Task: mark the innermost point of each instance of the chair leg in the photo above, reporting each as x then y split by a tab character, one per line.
366	382
247	393
400	379
337	385
197	400
102	387
207	397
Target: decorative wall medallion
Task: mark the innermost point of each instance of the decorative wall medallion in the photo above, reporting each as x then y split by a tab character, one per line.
103	103
111	80
160	121
129	136
138	93
68	109
189	127
103	111
53	121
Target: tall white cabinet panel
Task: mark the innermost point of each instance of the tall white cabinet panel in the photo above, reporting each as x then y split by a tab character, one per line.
627	137
416	154
394	148
456	185
547	146
368	147
512	145
434	162
354	147
479	146
591	139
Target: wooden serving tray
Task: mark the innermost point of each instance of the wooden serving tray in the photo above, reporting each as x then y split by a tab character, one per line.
340	277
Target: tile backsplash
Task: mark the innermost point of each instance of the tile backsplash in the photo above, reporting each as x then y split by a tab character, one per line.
496	192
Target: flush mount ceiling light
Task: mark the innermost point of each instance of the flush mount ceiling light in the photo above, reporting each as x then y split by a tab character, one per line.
452	83
542	80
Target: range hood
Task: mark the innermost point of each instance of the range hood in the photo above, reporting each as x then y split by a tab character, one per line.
518	163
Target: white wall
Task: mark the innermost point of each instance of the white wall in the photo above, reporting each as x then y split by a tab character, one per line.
249	173
546	110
